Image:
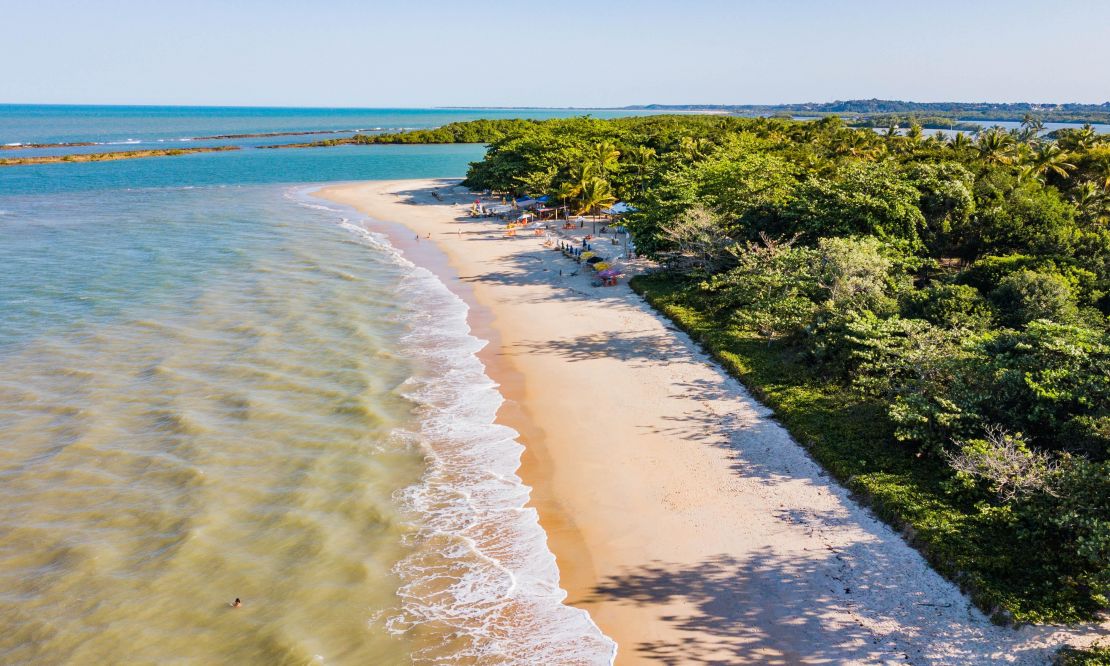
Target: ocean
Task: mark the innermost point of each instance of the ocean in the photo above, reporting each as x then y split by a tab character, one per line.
214	386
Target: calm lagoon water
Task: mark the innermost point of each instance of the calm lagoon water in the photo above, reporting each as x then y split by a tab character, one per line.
212	386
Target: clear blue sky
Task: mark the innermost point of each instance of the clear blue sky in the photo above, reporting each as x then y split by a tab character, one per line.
553	53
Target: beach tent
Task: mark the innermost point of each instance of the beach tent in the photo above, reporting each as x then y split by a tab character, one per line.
619	208
524	203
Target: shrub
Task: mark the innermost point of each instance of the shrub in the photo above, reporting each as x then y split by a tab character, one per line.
1026	295
854	274
950	306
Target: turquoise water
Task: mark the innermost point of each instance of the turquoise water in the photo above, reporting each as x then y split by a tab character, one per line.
28	123
127	128
123	128
241	167
213	386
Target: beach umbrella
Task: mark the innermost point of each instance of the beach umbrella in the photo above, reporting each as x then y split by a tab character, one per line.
594	259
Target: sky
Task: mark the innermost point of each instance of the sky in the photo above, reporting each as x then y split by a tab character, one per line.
332	53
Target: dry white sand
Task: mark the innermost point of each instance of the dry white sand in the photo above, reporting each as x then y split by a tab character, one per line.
684	518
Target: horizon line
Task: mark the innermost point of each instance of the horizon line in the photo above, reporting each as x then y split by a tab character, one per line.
626	107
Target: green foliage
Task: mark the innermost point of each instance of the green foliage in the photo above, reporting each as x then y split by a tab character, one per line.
987	274
926	374
1044	376
1079	511
950	306
1088	434
855	275
946	200
770	290
861	198
1093	656
1031	218
889	296
474	131
1025	295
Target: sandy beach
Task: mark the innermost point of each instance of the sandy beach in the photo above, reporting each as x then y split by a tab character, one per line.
683	517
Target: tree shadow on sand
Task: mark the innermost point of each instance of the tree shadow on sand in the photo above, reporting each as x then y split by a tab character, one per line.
637	347
776	609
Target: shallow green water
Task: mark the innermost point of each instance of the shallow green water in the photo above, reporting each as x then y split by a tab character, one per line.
209	393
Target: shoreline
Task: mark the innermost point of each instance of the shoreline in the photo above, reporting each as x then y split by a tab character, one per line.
682	517
563	537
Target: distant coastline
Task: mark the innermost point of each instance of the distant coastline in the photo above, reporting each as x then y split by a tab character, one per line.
861	109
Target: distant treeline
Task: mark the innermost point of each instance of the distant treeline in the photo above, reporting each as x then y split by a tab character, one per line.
908	120
858	108
474	131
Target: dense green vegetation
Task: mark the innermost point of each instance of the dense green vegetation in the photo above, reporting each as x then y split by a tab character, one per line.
475	131
928	316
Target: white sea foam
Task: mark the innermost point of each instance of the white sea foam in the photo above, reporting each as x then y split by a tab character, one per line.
481	584
481	569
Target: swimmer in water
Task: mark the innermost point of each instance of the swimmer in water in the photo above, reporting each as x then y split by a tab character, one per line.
237	603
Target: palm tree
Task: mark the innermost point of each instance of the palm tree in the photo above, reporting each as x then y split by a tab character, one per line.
642	158
861	142
1092	202
1049	159
604	156
996	146
595	194
937	141
695	149
1085	137
580	174
961	143
1031	128
564	191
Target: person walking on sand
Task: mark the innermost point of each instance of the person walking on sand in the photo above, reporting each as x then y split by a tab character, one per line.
238	603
